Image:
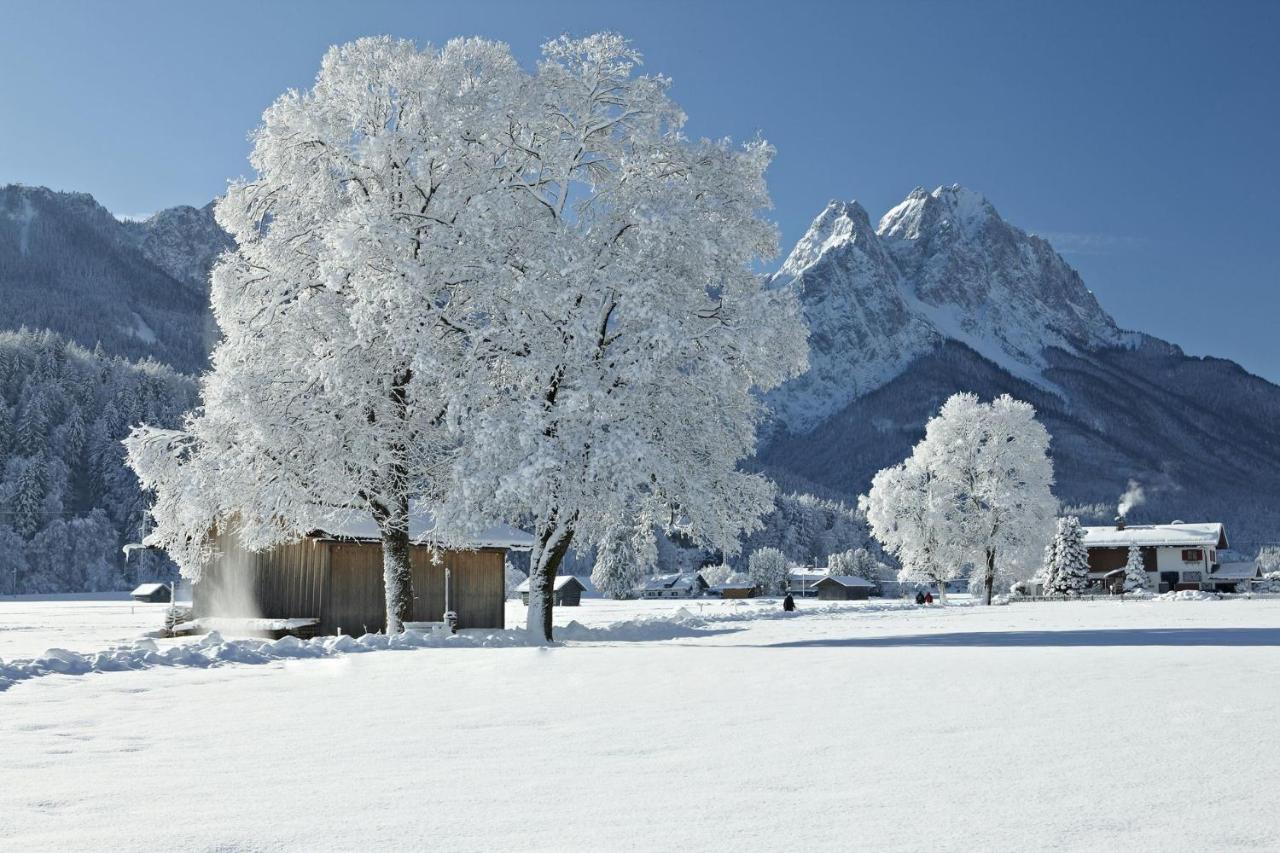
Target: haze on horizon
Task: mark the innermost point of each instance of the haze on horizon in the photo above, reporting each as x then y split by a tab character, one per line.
1138	138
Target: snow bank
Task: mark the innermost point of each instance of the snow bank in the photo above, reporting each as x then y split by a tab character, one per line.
1188	595
213	650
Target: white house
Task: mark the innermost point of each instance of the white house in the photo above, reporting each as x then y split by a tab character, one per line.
678	585
1176	556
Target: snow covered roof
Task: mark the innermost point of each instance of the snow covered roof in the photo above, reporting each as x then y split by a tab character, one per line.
848	580
1178	534
687	579
561	582
1237	571
806	575
149	588
359	525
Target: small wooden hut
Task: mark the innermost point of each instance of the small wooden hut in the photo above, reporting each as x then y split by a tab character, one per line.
738	590
567	592
843	588
152	593
334	577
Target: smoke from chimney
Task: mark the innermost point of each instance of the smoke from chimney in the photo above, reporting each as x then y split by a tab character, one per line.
1132	497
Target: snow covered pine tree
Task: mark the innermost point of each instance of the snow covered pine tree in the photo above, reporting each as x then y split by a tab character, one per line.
1067	560
1136	578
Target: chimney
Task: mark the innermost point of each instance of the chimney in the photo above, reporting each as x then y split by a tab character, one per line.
1119	522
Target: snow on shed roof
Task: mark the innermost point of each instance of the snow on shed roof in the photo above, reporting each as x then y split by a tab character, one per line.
149	588
561	582
1207	535
358	524
847	580
672	580
1237	571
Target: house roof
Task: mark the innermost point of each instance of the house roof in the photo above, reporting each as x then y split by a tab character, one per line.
561	582
1176	535
671	581
847	580
1237	571
359	525
806	575
736	586
149	588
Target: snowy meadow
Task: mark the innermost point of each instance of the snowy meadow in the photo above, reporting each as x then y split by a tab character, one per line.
712	725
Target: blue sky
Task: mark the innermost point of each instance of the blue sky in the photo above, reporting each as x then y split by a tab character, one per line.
1141	138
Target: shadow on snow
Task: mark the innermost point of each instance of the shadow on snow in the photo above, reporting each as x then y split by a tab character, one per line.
1091	637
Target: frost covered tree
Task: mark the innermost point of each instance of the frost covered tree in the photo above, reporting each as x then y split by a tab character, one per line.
1066	569
1135	571
624	556
975	489
908	509
717	575
618	352
767	569
376	199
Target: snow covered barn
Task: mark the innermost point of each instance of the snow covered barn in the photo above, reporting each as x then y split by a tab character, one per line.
803	581
568	591
152	593
1176	556
843	588
334	577
678	585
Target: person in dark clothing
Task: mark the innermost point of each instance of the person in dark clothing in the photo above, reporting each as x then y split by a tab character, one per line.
788	603
919	597
928	598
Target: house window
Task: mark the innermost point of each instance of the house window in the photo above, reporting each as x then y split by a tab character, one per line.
1192	555
1191	577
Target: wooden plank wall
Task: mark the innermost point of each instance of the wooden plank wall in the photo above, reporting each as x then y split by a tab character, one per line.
340	583
284	582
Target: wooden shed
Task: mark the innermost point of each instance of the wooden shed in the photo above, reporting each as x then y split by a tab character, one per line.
568	591
738	590
335	577
153	593
843	588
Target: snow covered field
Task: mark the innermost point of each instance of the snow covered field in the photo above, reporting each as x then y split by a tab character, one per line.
1046	726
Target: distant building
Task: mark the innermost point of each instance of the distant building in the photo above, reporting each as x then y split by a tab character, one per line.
737	590
1176	556
803	581
677	585
153	593
567	591
843	588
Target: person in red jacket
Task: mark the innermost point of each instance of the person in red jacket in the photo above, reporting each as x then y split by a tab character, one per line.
928	598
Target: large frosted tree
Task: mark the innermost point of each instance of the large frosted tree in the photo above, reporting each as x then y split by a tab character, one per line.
375	200
976	489
618	356
1136	578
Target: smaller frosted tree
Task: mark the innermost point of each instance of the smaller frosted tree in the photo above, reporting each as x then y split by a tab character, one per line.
1067	560
514	577
717	575
623	556
1135	571
767	569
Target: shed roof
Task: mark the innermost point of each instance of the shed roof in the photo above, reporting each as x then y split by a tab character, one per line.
359	525
1237	571
149	588
561	582
846	580
1176	535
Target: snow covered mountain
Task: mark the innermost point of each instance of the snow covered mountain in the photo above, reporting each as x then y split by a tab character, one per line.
946	296
138	289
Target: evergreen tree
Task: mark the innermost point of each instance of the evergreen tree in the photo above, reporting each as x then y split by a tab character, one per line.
1067	572
1135	571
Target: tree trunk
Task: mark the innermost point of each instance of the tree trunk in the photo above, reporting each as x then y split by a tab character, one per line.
544	562
397	575
942	592
989	578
